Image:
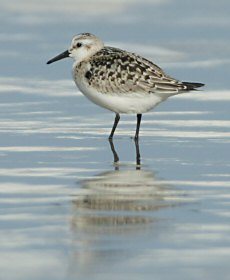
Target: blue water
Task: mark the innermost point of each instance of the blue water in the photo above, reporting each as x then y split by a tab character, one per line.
67	211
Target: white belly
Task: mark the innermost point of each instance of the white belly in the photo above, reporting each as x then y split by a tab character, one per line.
126	103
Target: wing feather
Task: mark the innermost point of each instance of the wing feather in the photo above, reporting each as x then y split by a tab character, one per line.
114	71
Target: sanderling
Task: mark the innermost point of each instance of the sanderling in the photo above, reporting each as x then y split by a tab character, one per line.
120	81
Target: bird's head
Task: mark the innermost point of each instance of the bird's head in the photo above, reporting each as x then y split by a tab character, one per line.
82	47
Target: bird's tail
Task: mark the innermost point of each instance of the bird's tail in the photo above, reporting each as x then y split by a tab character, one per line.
192	86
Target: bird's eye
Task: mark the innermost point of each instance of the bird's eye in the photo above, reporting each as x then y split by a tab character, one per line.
79	45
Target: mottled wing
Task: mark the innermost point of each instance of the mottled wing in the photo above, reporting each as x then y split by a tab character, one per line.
115	71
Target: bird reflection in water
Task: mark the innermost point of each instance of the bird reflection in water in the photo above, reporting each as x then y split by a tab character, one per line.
119	198
115	212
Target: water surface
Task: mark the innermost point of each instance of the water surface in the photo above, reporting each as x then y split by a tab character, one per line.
67	211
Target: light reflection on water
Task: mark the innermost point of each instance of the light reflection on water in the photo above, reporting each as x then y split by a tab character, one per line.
68	211
124	217
72	208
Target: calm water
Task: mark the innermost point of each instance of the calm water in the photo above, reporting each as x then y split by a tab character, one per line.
66	210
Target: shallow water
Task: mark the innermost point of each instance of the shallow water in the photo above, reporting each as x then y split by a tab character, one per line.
67	211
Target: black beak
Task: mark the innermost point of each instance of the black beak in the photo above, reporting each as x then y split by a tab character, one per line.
58	57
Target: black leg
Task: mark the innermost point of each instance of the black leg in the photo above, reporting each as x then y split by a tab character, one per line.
115	155
138	125
138	156
117	118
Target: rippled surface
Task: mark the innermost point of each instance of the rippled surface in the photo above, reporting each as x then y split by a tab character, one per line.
66	210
